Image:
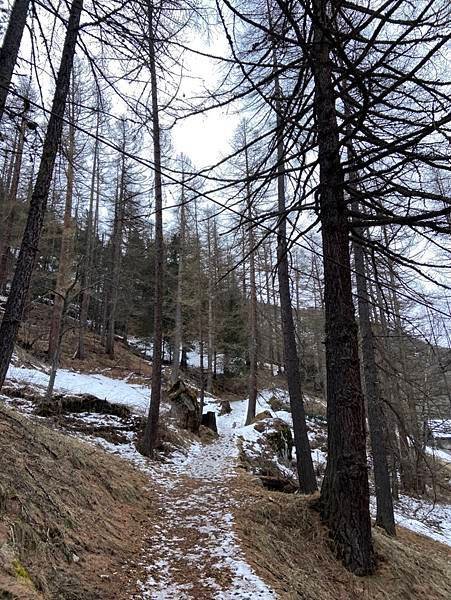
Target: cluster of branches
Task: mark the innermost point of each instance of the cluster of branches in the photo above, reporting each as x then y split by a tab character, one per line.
346	133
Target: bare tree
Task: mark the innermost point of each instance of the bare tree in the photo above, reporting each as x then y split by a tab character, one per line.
30	241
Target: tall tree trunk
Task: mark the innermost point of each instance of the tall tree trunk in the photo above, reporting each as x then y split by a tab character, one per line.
376	418
116	253
200	309
411	458
5	242
306	473
210	323
252	402
345	490
30	241
150	438
91	227
67	241
387	387
269	310
178	302
276	316
10	48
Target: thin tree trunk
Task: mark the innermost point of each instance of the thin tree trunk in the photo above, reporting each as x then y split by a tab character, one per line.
116	252
210	324
376	418
67	242
270	329
10	48
276	321
252	402
386	386
345	490
150	438
306	473
200	310
411	459
57	351
178	303
5	242
30	241
90	237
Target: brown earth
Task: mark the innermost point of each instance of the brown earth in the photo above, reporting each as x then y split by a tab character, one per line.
33	337
71	516
289	548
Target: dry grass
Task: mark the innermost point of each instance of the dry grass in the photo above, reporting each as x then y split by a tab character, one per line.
34	332
70	515
288	546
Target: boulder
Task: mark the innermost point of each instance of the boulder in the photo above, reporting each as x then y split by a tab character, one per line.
280	439
61	403
185	407
224	408
261	416
277	404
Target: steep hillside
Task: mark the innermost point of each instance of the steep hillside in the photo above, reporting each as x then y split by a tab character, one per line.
71	516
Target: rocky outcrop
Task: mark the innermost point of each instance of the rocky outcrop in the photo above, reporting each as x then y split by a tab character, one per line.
277	404
185	407
261	416
224	408
280	439
277	435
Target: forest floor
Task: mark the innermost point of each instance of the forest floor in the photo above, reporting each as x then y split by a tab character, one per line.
195	525
192	550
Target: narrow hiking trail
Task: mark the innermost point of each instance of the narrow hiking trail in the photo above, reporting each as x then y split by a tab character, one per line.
192	551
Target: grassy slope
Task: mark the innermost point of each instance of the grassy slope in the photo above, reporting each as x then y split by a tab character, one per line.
70	515
288	546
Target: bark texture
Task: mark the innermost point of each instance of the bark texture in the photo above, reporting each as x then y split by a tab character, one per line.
150	438
10	48
345	491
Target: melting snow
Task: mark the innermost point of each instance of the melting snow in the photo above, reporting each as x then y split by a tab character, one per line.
114	390
195	491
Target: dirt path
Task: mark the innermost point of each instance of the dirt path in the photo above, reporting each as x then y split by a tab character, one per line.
192	551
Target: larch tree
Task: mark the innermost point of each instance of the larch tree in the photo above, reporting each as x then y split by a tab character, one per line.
30	241
150	437
180	280
345	490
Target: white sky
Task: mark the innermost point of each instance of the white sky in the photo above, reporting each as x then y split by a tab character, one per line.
204	138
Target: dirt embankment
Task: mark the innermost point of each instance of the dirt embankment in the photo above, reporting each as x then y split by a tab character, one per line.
289	548
72	518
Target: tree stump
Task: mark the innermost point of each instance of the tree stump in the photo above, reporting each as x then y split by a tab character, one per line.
209	420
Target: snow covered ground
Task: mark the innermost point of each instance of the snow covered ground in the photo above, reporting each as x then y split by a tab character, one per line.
145	346
196	546
114	390
192	549
420	516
